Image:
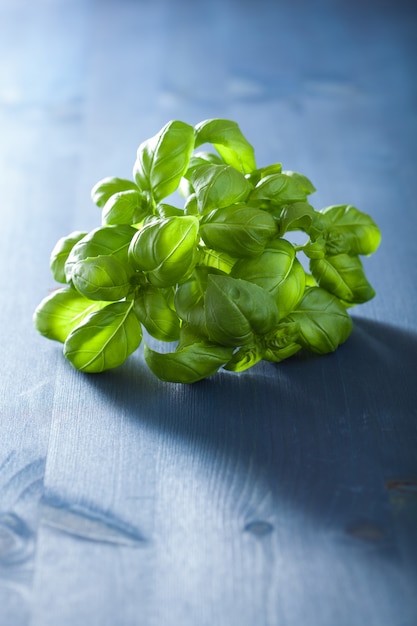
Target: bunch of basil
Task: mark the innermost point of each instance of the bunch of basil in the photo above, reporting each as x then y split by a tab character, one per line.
219	277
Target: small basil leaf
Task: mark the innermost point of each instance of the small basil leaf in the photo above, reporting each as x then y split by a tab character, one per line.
276	270
243	359
106	187
163	159
279	189
60	254
106	240
153	311
59	313
218	186
216	260
101	278
350	231
255	176
297	216
189	299
125	207
238	230
104	339
344	276
166	249
282	343
323	323
230	143
237	311
188	364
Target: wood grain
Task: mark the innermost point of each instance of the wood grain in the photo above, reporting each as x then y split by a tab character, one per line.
282	496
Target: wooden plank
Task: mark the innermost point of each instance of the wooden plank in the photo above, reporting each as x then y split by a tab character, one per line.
39	128
285	495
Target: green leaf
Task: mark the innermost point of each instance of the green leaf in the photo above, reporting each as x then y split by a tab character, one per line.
230	143
297	216
106	240
255	176
105	188
344	276
166	249
60	312
282	343
238	230
156	315
237	311
279	189
125	207
218	186
163	159
101	278
243	359
189	299
104	339
60	254
276	270
350	231
322	321
188	364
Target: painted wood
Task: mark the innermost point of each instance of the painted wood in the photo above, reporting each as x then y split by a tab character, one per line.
282	496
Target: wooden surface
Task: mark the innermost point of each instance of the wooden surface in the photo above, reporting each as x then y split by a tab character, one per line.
280	497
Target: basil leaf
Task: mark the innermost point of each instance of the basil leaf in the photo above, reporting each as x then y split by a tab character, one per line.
279	189
218	186
297	216
188	364
163	159
189	299
344	276
101	278
106	187
125	207
104	339
237	310
238	230
350	231
323	323
255	176
154	312
282	343
243	359
60	312
276	270
230	143
59	254
107	240
166	249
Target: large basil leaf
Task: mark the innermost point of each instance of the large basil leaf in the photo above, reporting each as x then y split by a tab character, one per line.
350	231
60	312
237	311
218	186
344	276
230	143
125	207
323	322
106	187
163	159
104	339
106	240
154	312
166	249
238	230
60	253
188	364
101	278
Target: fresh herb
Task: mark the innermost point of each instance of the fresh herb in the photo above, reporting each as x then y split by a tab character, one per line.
219	278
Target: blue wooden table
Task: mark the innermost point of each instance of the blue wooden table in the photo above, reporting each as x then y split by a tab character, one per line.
284	496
